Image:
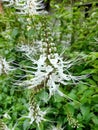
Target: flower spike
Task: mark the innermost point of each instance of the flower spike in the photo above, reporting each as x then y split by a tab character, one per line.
26	7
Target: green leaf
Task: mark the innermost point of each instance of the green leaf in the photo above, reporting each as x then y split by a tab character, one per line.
43	95
58	98
69	108
95	119
95	98
82	88
95	77
14	32
85	110
92	82
26	124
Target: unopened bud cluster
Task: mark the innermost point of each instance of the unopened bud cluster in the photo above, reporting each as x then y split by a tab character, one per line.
49	48
72	121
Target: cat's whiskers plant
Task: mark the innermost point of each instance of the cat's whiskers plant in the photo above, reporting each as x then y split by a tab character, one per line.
49	71
27	7
50	68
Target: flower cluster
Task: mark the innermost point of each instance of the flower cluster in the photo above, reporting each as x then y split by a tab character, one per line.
30	7
72	121
4	66
51	71
35	114
47	70
30	50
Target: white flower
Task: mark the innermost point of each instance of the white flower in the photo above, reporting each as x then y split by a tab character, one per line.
4	66
26	49
30	50
40	75
1	67
8	2
51	72
36	115
7	116
30	7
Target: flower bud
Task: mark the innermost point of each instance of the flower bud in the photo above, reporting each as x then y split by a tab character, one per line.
50	50
52	44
